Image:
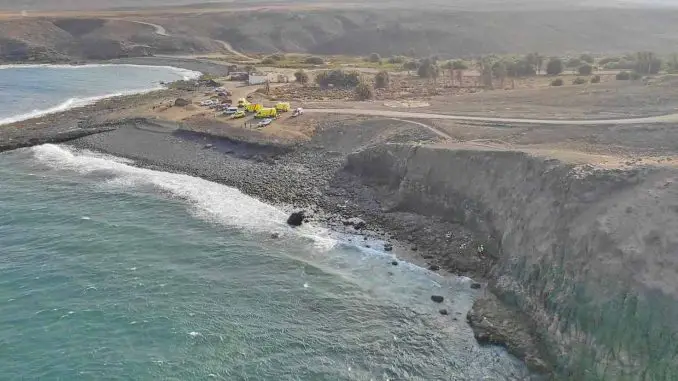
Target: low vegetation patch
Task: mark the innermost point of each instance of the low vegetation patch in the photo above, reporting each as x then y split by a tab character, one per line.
338	78
595	79
301	76
382	80
557	82
579	81
314	60
364	91
623	76
585	69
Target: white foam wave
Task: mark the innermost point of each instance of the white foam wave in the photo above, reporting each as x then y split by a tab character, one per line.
80	102
70	104
208	200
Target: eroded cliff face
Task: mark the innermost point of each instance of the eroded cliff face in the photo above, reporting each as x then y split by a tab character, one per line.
590	255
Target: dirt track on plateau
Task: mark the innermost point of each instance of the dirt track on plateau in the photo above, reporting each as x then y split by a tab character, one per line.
671	118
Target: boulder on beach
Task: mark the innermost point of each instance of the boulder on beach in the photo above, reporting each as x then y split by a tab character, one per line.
357	223
296	219
181	102
437	298
434	267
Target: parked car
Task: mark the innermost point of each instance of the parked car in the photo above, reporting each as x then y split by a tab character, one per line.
206	103
265	122
231	110
239	114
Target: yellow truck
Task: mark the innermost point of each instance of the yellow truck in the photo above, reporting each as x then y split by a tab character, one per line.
267	113
283	106
254	107
242	102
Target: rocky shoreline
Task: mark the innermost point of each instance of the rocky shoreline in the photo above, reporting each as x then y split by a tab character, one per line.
309	176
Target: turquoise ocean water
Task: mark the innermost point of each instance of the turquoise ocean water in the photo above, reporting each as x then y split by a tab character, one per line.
111	272
30	91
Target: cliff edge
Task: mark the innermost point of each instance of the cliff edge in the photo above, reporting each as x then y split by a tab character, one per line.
588	254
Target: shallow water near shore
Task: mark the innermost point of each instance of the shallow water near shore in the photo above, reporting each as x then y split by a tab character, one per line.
109	271
32	91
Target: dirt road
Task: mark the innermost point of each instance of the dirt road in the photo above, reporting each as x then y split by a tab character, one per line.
672	118
159	30
229	48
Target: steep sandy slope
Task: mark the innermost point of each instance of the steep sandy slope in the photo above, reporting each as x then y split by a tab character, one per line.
591	255
445	31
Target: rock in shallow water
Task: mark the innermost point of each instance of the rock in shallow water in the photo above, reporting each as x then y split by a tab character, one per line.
357	223
443	312
437	298
388	247
296	219
476	286
434	267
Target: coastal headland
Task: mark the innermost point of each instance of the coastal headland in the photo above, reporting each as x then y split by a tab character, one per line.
556	200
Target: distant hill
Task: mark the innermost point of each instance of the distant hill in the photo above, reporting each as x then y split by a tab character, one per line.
19	5
446	32
28	5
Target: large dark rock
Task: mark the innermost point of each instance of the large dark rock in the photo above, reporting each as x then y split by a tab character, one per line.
437	298
181	102
357	223
388	247
296	219
495	323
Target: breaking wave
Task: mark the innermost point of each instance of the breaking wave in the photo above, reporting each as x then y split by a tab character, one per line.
208	200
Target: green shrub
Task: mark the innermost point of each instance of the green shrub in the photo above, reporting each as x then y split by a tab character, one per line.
382	80
557	82
623	76
585	69
595	79
579	81
427	69
364	91
607	60
301	77
586	58
636	76
410	65
555	66
375	58
459	65
395	60
314	60
268	61
338	78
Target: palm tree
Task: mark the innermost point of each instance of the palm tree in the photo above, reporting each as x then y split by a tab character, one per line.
485	68
459	66
450	68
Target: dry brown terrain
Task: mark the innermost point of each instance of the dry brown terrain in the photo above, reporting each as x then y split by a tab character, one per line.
319	27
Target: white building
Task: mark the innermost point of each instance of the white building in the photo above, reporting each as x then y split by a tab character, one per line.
259	78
